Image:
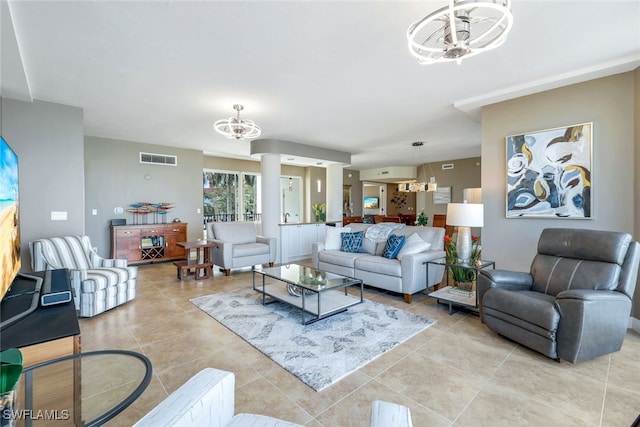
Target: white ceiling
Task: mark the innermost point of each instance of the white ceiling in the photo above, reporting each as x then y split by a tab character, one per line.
327	73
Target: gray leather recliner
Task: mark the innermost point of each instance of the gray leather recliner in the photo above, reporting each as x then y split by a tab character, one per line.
575	302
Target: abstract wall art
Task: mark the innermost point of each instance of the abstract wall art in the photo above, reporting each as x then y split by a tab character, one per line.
549	173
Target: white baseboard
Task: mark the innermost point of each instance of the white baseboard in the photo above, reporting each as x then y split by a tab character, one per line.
634	324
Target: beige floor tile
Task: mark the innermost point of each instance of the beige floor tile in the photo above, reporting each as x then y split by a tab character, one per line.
355	409
564	386
497	406
439	385
264	398
621	406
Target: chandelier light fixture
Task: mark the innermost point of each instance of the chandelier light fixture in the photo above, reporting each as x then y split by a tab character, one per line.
237	128
460	30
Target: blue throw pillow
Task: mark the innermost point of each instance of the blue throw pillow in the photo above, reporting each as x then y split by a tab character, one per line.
352	242
393	246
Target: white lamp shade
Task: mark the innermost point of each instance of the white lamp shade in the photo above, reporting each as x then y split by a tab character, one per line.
465	214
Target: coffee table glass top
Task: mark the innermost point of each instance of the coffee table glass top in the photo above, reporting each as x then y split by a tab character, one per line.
84	389
308	277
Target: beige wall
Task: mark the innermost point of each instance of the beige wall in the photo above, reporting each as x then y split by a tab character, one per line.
466	173
607	102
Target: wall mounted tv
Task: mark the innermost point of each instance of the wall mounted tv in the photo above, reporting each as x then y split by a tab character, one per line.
9	217
371	202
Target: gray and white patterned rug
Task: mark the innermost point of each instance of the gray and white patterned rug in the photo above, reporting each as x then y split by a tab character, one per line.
323	352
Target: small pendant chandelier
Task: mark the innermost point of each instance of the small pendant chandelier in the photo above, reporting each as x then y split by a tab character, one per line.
460	30
236	128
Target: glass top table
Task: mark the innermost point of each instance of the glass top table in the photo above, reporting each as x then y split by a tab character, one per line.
84	389
318	293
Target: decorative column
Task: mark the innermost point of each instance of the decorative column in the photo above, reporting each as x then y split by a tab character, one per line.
270	168
334	191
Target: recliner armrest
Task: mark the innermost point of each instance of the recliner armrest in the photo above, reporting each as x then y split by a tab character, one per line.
592	295
503	279
273	246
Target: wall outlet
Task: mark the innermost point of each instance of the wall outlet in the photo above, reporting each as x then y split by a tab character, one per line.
94	212
198	210
58	216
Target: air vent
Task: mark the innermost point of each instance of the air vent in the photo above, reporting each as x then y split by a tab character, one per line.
447	166
158	159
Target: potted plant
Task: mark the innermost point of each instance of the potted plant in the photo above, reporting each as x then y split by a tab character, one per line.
463	277
10	371
422	219
320	211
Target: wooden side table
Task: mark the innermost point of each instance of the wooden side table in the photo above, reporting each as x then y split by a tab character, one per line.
202	266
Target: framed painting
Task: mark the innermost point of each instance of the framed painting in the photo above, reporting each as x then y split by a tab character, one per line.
442	196
549	173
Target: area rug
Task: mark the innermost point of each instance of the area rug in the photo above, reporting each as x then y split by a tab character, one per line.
323	352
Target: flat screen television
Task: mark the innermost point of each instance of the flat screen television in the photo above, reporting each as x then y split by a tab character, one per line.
9	217
371	202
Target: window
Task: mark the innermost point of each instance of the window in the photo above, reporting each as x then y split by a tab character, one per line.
231	196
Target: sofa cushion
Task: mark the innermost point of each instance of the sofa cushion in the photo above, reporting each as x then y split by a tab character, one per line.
332	239
235	232
393	246
413	245
379	265
342	259
352	242
250	249
372	247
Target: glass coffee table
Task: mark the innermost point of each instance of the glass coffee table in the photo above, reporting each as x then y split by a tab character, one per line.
84	389
317	293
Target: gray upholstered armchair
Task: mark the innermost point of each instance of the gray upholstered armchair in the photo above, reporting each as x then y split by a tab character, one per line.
575	302
238	245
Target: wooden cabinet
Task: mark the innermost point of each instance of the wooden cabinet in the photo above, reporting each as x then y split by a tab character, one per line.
296	240
148	242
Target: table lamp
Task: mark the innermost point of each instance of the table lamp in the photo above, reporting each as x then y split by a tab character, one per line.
465	216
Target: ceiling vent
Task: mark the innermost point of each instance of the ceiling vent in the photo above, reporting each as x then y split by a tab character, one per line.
447	166
158	159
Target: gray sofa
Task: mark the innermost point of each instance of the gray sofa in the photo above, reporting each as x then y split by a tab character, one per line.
407	275
574	303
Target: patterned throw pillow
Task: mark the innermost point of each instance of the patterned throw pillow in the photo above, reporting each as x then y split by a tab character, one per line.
393	246
352	242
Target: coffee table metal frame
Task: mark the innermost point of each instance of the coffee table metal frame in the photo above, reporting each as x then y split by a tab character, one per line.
319	291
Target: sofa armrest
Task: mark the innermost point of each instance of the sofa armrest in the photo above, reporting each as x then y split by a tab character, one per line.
385	414
97	261
316	248
206	399
221	253
592	323
273	244
414	271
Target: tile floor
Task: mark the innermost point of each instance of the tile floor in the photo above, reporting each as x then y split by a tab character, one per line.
456	373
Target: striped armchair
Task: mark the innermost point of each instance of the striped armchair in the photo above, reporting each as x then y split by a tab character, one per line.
98	284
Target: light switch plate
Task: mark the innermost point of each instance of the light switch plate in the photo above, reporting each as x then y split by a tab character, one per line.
58	216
